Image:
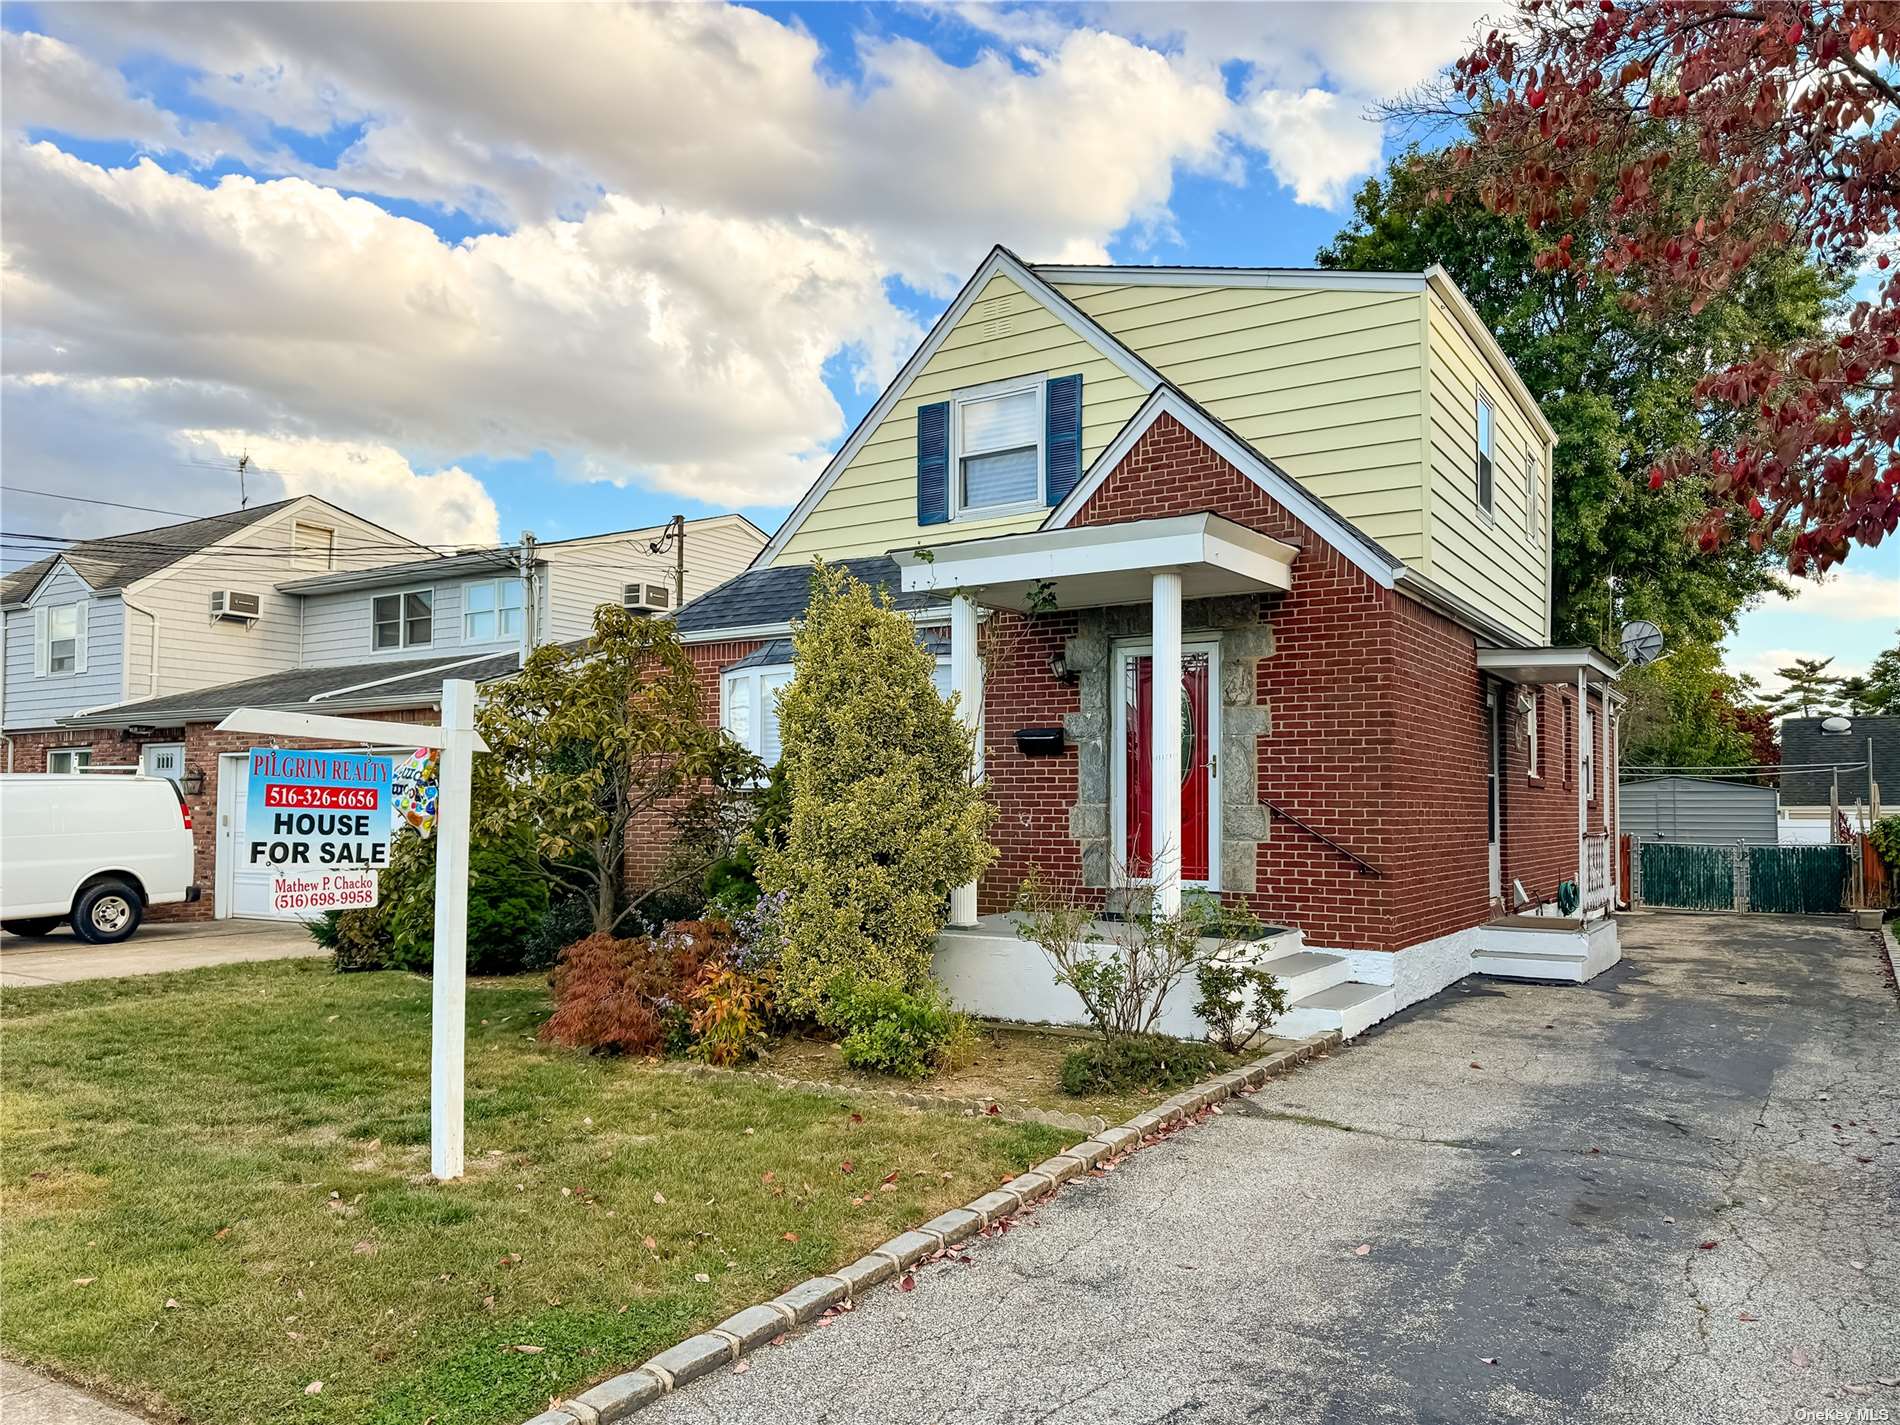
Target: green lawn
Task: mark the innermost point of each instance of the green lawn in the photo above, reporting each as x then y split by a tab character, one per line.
215	1193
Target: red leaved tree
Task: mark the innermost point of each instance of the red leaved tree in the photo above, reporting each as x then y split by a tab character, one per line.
1794	109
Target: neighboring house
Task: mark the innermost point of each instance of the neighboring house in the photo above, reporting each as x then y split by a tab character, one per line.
1697	811
165	610
351	635
1316	503
1847	769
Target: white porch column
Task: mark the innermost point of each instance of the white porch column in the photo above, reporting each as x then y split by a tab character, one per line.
1584	731
1612	810
1165	764
966	680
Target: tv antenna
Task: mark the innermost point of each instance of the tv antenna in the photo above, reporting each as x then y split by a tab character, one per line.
244	462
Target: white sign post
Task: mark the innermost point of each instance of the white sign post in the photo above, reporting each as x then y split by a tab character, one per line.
458	742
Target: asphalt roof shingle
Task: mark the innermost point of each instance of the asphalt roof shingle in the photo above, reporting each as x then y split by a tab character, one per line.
778	594
116	560
1803	744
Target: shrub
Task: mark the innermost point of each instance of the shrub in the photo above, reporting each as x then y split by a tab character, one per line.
1238	1001
631	996
885	816
1885	836
732	882
507	898
1140	1063
1123	971
892	1031
729	1012
568	918
358	939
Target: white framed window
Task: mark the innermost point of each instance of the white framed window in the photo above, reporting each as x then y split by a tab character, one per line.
68	759
1487	422
314	542
998	435
748	704
748	707
491	610
1589	754
59	640
1533	729
1533	499
403	620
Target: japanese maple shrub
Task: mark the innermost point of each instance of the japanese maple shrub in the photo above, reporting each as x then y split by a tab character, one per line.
885	814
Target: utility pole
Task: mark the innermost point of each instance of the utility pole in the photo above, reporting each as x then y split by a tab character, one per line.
679	565
530	595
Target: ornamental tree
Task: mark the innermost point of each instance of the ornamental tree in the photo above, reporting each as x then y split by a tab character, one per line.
1581	106
886	817
590	738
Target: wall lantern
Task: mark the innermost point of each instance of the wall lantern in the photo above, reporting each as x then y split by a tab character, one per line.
1060	670
192	784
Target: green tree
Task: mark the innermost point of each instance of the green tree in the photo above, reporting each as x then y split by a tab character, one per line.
1875	693
1617	386
590	738
1683	712
885	816
1809	690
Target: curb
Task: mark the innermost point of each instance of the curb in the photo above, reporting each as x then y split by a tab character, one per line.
1892	944
615	1399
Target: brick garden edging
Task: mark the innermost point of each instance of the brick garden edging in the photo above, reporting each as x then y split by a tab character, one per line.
700	1355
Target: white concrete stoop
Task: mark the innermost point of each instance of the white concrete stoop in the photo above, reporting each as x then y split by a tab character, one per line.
1566	951
1322	995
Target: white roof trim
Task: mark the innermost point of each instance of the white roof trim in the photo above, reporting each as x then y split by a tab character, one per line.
1381	568
1110	564
1000	261
401	677
1545	665
1289	277
1487	344
52	572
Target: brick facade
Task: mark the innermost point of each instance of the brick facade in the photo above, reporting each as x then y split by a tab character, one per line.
1371	728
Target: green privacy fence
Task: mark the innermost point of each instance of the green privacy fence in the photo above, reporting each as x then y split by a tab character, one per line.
1799	880
1785	880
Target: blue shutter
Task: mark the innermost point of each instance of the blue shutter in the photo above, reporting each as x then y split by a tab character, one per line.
1063	409
933	463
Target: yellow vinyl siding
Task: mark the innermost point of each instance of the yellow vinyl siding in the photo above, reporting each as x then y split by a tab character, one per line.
872	506
1491	564
1324	382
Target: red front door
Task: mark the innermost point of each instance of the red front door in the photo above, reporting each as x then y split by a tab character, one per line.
1196	773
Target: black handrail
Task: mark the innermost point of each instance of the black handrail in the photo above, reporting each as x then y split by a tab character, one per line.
1366	868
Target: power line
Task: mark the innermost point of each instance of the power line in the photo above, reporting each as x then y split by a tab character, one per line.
88	500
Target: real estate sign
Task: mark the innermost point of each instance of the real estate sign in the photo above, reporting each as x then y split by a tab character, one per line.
318	812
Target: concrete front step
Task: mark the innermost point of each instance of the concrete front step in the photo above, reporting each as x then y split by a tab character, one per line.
1307	972
1530	965
1350	1008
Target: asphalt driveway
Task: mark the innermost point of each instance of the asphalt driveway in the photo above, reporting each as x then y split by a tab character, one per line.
1671	1195
153	949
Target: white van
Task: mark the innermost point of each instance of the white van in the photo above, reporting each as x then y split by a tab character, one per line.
94	848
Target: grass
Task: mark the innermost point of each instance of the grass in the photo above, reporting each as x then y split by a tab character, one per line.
215	1193
1012	1066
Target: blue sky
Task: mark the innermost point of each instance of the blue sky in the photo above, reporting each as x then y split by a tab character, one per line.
579	268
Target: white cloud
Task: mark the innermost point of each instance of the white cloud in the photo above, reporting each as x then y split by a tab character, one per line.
1845	594
677	349
1315	145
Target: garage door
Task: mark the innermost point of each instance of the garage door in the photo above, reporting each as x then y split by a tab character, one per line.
242	891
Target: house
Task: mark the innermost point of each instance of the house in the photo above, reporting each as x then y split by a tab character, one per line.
1841	765
365	626
1315	503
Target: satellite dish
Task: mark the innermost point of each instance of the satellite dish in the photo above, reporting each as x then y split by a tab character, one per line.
1642	641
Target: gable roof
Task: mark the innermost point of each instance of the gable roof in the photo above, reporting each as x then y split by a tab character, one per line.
763	601
1366	554
1003	262
1803	744
117	560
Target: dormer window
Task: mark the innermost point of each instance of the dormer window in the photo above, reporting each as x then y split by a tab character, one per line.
59	640
997	436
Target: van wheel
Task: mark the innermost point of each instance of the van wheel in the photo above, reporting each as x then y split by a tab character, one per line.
45	925
107	913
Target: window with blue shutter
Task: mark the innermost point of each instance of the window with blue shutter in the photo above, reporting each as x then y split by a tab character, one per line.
1063	454
933	463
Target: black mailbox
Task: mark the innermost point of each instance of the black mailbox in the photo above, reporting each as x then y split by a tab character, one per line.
1039	741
